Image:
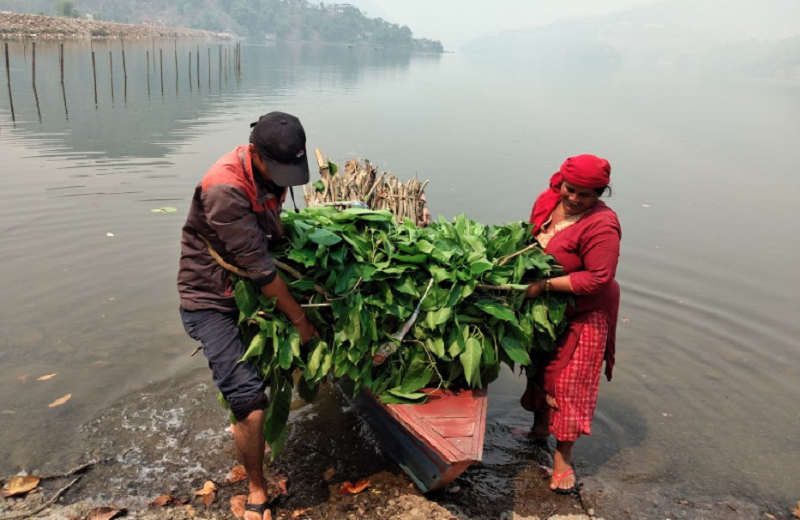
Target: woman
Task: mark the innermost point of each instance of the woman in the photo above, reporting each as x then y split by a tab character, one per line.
583	234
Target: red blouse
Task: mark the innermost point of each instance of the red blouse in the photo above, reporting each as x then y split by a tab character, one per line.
588	250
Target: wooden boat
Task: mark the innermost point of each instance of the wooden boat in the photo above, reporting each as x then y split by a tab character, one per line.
433	442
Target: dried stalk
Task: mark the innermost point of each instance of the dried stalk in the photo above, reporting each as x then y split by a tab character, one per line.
358	181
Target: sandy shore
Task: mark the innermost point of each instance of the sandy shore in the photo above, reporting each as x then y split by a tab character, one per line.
15	26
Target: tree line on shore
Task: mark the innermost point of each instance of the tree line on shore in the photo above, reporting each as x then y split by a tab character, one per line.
256	20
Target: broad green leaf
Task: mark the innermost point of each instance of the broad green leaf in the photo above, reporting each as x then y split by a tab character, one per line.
246	298
418	374
515	350
406	285
397	396
540	318
441	274
436	346
324	237
277	416
495	309
480	266
315	360
438	317
256	346
411	259
471	361
285	355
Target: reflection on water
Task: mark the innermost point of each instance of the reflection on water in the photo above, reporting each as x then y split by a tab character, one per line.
704	397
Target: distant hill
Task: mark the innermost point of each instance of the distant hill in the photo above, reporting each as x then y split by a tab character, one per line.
672	31
254	19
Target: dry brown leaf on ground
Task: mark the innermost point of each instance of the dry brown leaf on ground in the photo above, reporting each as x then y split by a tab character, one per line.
236	474
237	505
796	512
45	378
190	511
300	513
208	488
21	485
329	474
209	499
354	489
59	402
282	485
105	513
166	500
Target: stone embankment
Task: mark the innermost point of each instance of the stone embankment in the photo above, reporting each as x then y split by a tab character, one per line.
16	26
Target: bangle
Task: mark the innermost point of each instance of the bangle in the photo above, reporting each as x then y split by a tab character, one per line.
298	320
547	285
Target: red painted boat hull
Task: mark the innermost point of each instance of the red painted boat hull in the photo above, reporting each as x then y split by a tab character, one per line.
433	442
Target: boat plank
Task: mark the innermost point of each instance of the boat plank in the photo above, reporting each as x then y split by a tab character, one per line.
453	426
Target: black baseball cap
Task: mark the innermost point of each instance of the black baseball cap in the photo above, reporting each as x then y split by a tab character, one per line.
280	140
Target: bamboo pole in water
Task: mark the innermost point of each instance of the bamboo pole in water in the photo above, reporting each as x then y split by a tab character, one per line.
111	69
94	76
8	67
176	67
33	70
190	71
198	68
161	66
36	97
209	68
148	73
63	88
220	66
8	79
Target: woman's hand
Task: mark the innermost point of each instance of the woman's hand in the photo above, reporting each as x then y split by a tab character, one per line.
535	289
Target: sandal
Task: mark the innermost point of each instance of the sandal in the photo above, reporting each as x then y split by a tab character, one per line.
559	478
258	508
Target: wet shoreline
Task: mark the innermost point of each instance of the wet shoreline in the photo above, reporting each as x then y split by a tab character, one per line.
170	437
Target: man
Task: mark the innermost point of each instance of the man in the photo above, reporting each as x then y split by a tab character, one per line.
236	209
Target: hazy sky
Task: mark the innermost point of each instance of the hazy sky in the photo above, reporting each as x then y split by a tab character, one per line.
456	22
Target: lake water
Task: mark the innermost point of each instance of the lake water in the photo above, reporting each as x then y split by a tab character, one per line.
705	398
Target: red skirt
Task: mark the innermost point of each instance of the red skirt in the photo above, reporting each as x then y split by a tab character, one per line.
577	385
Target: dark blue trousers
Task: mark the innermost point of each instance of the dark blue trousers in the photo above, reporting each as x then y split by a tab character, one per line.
240	383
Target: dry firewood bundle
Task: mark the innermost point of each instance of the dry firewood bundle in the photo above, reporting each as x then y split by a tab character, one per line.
360	185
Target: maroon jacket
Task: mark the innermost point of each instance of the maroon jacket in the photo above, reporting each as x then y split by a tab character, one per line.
239	214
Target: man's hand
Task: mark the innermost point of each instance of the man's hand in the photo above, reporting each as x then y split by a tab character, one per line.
288	306
306	329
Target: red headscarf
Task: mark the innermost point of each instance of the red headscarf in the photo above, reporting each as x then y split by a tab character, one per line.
586	171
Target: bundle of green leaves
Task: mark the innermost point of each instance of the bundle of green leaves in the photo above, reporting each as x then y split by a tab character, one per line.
364	275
